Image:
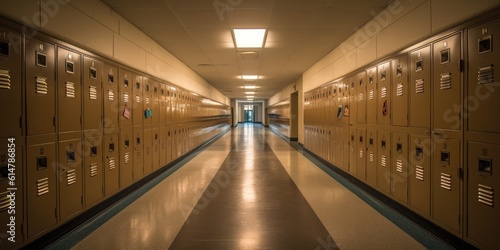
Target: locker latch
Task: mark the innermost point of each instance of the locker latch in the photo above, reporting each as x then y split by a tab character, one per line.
70	156
111	147
485	166
93	151
41	162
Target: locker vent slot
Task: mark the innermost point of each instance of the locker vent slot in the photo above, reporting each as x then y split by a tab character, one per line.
485	195
445	81
42	186
383	93
69	90
361	153
93	169
361	97
446	181
41	86
112	163
4	201
137	99
399	89
419	173
372	94
383	161
125	98
93	92
146	100
127	157
71	177
4	79
486	74
419	86
399	166
371	157
111	95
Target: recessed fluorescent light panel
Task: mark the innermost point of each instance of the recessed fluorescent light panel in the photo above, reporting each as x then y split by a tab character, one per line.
250	87
249	77
250	93
249	38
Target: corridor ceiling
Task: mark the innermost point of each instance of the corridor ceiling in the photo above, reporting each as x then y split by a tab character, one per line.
198	32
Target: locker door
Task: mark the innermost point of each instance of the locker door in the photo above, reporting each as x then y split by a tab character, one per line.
169	144
447	82
168	104
137	108
400	91
111	164
446	186
384	96
483	181
147	95
155	96
40	87
372	159
69	101
138	158
92	95
361	83
346	149
93	168
163	104
111	99
484	56
41	184
361	152
5	170
371	95
400	167
126	111
163	146
70	178
126	158
353	99
420	88
420	173
10	84
148	151
353	150
384	161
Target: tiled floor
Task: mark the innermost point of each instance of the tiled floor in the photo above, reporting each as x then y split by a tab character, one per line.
249	190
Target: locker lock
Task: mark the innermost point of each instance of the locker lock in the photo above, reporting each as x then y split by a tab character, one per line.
127	143
485	166
445	158
382	144
4	48
41	162
399	148
70	156
419	153
111	147
93	151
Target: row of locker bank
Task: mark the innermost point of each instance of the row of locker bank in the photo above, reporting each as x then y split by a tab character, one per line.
78	128
279	116
420	128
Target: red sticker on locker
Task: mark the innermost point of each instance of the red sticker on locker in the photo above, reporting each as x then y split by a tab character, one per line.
126	112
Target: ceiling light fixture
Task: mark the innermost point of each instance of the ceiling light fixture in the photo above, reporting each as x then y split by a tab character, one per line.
250	93
249	99
249	38
249	77
250	87
250	96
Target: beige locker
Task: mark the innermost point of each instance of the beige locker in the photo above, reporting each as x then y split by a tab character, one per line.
169	144
126	168
361	153
40	88
333	146
70	177
163	104
148	151
163	146
69	93
168	104
371	95
343	110
371	157
93	167
384	178
346	147
147	96
155	102
17	169
10	84
92	93
420	88
446	184
41	187
361	82
110	99
384	93
399	167
353	150
400	91
483	57
111	164
126	100
137	101
483	217
420	173
353	99
138	143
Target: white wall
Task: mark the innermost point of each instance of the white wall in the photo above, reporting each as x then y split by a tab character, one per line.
92	25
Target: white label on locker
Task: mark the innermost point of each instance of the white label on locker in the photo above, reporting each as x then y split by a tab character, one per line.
372	94
486	74
127	157
371	157
419	173
125	98
4	79
112	164
71	177
42	186
93	169
419	86
111	95
445	81
399	166
41	86
446	181
137	99
485	195
383	161
361	153
361	97
93	92
4	201
399	89
69	89
146	100
383	92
